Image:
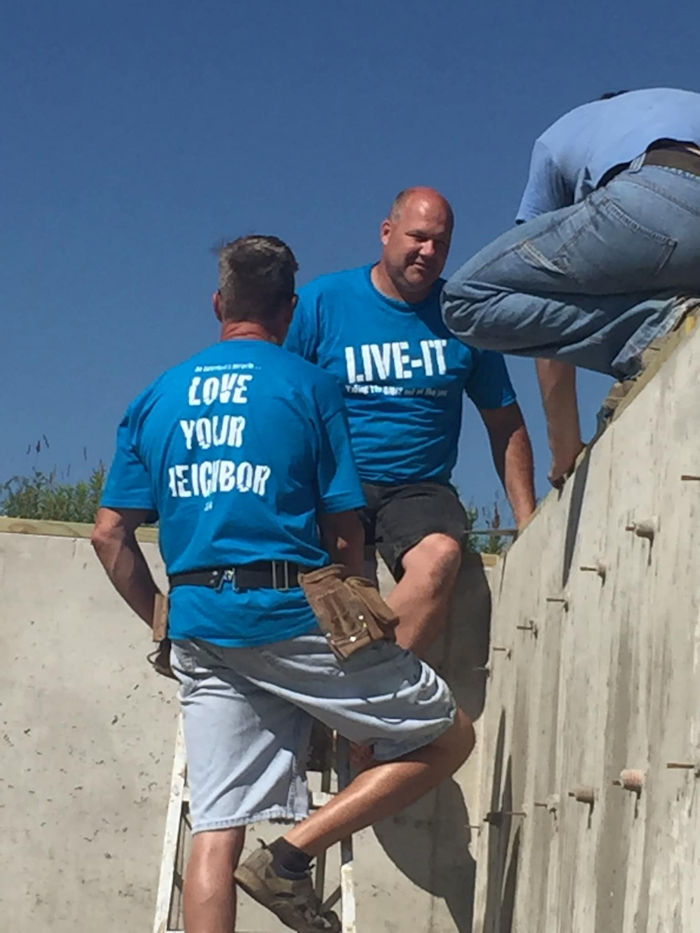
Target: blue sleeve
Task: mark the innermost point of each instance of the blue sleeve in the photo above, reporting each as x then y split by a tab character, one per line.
489	384
128	484
546	188
339	486
303	335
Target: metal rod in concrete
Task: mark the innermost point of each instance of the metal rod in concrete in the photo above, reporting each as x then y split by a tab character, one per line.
583	794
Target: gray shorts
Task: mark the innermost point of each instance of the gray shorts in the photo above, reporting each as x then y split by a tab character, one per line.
247	718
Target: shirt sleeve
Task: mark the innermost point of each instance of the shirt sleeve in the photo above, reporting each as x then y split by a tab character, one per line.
489	384
546	188
339	486
128	483
303	335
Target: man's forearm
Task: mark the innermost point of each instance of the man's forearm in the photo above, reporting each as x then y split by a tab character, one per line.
558	388
344	539
512	457
518	475
126	567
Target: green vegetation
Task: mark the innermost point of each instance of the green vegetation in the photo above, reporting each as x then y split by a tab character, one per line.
42	496
489	519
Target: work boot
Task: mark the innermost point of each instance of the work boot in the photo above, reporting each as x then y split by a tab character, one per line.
294	902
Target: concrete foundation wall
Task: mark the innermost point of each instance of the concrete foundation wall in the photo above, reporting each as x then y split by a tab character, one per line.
590	672
87	735
595	672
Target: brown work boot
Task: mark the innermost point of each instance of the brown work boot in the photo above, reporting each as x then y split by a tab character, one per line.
294	902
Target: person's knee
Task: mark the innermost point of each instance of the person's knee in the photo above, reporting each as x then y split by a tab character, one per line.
438	555
219	845
458	742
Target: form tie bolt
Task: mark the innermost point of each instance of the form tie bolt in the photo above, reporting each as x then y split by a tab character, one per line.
551	803
599	567
646	528
503	649
495	817
631	779
689	476
562	600
684	765
583	795
528	627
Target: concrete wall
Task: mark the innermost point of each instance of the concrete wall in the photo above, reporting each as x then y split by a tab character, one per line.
593	674
589	674
88	735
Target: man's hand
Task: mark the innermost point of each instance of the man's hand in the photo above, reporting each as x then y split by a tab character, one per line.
160	659
563	462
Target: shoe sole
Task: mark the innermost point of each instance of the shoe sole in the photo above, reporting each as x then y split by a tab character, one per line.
248	881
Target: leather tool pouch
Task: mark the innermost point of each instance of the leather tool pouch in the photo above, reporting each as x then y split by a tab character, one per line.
350	611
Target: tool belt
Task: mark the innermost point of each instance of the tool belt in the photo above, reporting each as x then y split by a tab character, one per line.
272	574
349	610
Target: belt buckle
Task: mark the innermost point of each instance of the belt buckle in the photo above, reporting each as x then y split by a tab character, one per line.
285	585
227	576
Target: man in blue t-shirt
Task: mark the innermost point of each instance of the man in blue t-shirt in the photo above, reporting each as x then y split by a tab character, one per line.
243	454
606	259
379	331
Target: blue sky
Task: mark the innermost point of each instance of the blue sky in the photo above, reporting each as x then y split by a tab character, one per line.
137	135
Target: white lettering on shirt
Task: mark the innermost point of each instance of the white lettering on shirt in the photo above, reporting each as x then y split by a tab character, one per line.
394	360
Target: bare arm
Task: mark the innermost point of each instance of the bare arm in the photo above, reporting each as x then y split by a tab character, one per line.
344	539
558	388
114	541
512	457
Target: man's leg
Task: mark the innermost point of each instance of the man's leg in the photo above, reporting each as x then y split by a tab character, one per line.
238	770
422	597
420	530
210	899
385	788
385	697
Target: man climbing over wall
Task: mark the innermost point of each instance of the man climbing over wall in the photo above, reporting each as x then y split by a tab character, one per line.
243	452
607	257
378	329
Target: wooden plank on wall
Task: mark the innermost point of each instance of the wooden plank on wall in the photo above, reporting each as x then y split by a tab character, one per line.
31	526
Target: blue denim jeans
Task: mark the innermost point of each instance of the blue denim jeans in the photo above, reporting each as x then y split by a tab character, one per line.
592	284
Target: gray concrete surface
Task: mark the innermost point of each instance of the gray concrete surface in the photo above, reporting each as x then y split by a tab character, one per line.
87	741
589	675
87	732
608	681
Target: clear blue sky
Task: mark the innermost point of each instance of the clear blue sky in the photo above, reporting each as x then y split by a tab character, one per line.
137	135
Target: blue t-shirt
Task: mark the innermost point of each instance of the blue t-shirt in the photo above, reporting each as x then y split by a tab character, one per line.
237	450
401	371
570	158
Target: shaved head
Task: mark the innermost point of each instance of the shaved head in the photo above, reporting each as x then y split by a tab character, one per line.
421	193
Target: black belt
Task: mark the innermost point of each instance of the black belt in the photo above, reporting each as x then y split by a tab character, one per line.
271	574
674	158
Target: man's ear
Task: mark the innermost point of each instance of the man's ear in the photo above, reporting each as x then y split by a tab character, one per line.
384	231
216	301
